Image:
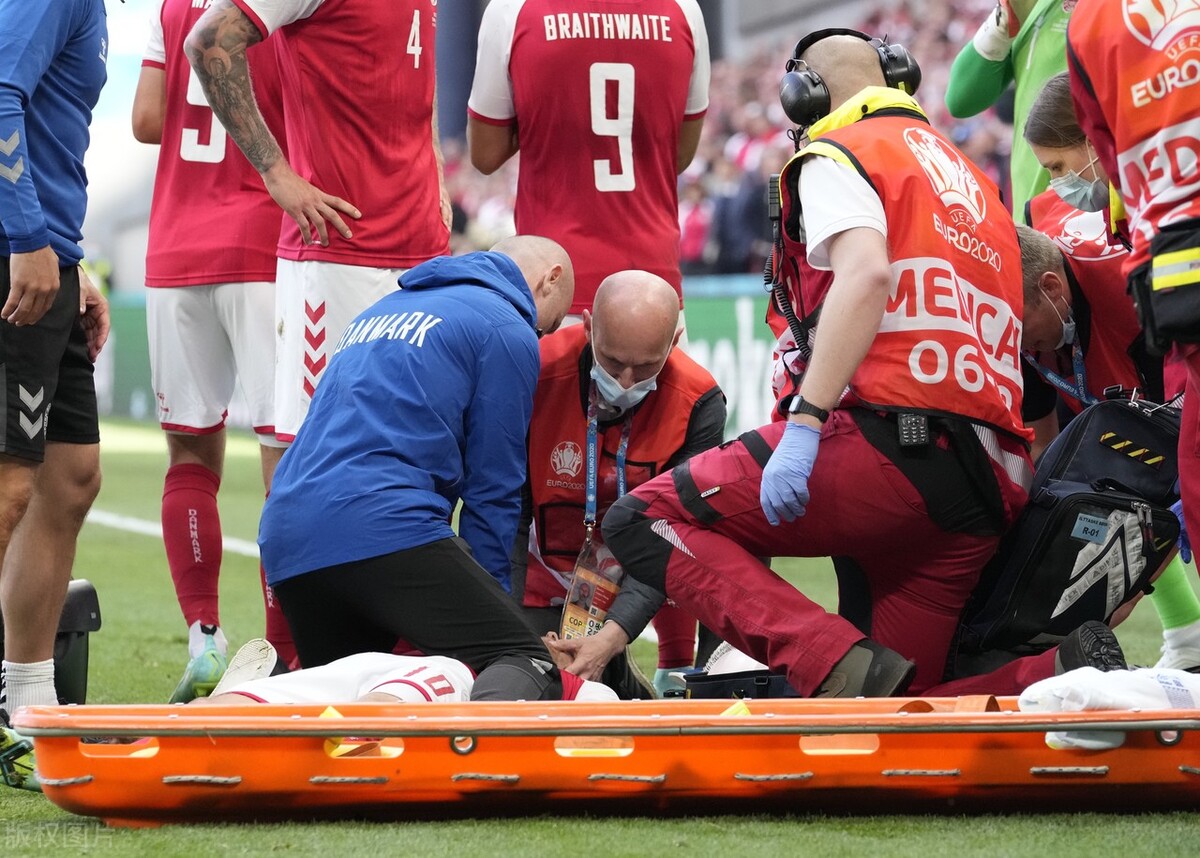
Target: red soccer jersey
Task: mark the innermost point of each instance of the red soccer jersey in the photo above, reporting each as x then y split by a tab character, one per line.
211	219
358	103
599	94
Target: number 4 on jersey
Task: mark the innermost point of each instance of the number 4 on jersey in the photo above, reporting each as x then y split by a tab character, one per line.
414	39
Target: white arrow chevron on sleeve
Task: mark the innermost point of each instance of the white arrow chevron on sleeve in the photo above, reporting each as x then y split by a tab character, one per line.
13	173
7	146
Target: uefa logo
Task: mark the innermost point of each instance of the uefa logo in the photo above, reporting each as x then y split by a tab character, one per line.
1165	25
566	459
1084	235
950	177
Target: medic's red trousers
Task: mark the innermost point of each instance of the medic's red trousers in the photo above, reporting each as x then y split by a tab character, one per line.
702	551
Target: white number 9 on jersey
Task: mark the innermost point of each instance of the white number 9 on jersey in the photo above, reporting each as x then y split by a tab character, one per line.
620	126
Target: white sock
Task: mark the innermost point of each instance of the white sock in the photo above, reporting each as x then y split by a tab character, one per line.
29	684
1184	636
197	635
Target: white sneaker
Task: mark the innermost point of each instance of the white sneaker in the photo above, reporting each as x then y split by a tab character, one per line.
1179	658
254	660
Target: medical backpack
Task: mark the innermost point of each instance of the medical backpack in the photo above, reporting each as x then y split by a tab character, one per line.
1097	527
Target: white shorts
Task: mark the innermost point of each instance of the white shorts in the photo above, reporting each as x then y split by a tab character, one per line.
203	341
315	303
410	679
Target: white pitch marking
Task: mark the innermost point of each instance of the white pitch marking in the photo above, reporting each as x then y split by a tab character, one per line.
232	544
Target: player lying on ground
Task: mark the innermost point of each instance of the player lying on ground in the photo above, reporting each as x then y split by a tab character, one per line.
369	677
1088	689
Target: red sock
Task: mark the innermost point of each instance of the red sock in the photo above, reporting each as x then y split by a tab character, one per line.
676	631
279	633
192	536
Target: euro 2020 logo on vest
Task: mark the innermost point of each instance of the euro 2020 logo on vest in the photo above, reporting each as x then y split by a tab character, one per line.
566	459
1172	26
950	177
1084	236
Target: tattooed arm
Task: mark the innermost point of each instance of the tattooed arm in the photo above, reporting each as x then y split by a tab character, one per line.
216	48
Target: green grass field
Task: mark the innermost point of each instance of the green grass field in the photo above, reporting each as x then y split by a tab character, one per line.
138	654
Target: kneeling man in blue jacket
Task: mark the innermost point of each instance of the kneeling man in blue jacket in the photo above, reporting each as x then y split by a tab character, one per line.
426	402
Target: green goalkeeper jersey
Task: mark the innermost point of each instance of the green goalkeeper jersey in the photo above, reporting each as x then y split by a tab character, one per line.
1038	52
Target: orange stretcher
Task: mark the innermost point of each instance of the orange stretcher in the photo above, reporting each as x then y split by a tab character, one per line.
212	762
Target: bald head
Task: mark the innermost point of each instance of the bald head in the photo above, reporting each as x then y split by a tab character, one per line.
633	324
847	64
548	272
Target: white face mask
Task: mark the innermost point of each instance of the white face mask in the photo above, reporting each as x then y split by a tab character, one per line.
1068	326
611	391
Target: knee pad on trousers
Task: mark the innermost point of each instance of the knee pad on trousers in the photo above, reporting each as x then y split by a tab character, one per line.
640	551
518	677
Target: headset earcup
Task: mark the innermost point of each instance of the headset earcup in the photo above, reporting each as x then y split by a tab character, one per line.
804	97
900	68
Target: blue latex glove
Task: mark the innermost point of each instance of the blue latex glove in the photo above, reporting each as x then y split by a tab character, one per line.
784	490
1185	545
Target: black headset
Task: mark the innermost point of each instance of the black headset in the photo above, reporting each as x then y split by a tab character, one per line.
803	93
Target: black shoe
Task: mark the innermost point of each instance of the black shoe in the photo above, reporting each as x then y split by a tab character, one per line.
868	670
1091	645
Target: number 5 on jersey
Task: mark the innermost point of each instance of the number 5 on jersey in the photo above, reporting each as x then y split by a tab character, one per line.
190	147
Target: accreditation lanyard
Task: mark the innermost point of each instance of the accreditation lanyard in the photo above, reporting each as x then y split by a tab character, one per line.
593	458
1077	390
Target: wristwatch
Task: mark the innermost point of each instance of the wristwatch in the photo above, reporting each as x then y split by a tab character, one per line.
800	405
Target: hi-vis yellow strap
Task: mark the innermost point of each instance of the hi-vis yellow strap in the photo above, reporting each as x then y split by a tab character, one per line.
1116	208
866	101
820	147
1175	268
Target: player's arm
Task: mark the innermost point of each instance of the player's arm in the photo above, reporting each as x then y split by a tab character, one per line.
216	48
32	263
150	105
983	69
93	312
490	145
689	142
440	158
698	86
29	41
491	115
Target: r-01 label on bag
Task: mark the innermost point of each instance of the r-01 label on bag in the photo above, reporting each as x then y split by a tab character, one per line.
1090	528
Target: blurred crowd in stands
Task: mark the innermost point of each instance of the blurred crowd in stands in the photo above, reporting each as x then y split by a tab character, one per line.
722	195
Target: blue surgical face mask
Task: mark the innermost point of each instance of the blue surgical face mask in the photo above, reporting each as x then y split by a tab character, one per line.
1076	191
611	391
1068	326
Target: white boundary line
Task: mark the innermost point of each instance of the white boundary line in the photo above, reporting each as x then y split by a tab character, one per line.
232	544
